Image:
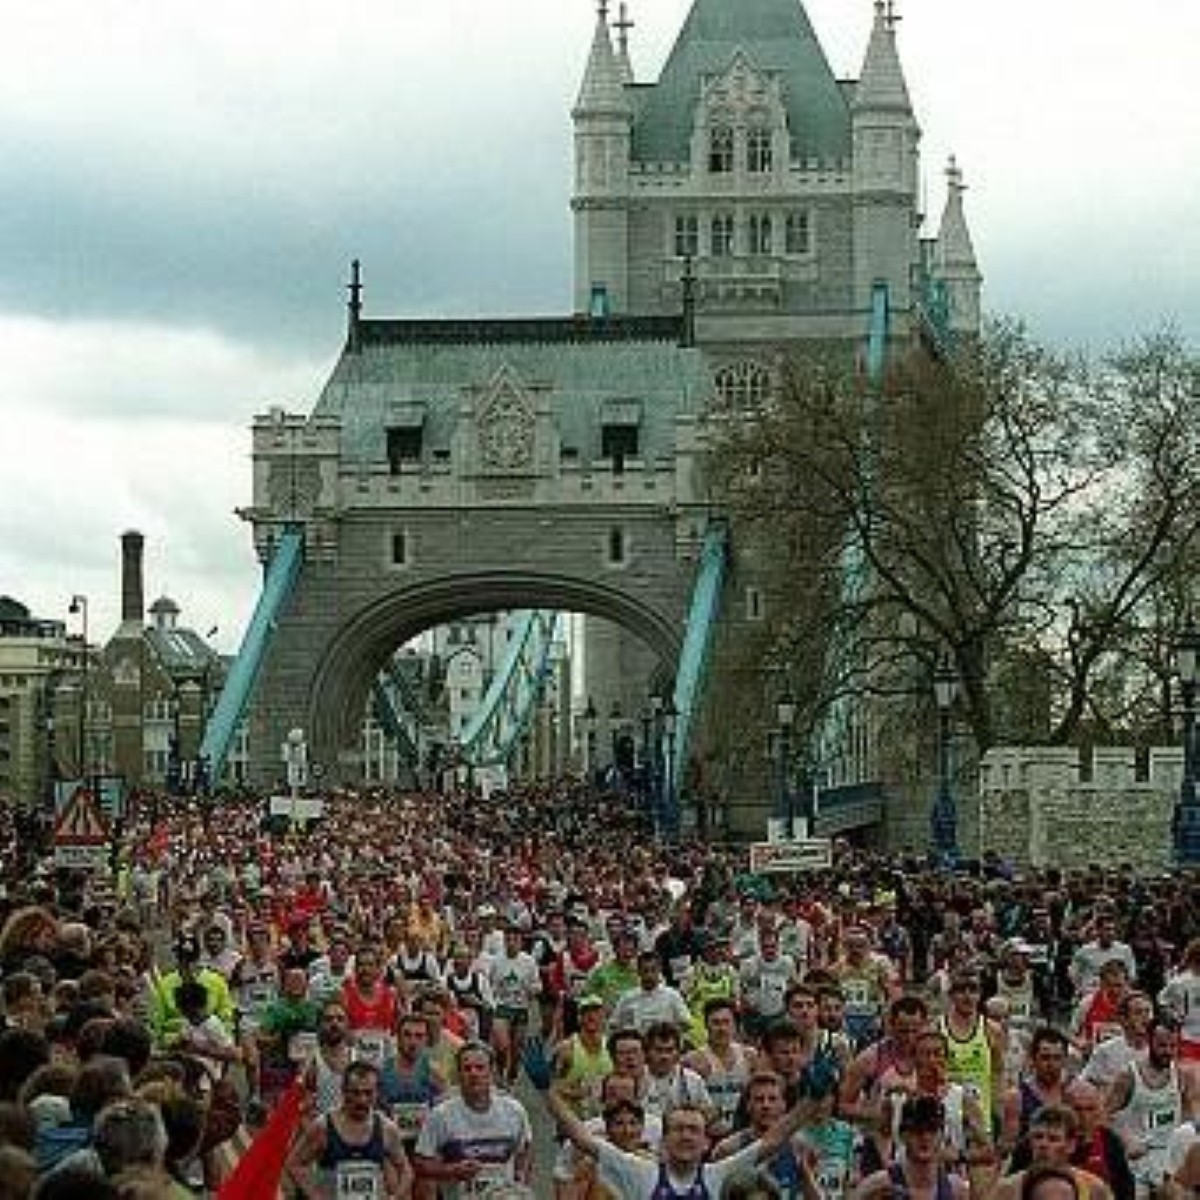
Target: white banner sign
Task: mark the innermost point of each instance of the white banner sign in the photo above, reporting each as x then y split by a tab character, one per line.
812	854
303	808
81	858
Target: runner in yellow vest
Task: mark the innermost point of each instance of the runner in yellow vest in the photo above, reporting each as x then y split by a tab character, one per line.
976	1044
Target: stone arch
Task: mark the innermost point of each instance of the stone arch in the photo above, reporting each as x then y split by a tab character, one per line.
362	644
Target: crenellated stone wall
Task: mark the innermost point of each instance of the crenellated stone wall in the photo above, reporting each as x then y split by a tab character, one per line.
1051	806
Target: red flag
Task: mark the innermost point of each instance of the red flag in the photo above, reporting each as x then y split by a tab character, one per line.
159	842
259	1170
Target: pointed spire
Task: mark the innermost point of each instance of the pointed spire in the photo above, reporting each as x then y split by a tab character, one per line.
603	88
881	84
623	24
954	247
354	308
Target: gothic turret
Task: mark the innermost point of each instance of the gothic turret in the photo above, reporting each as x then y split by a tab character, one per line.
954	262
886	167
603	121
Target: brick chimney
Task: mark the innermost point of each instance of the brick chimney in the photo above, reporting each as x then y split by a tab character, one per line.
133	599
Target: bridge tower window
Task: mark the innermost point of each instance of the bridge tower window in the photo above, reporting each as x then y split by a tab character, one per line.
404	445
759	158
760	233
687	236
798	233
400	548
721	242
618	443
720	150
617	548
755	606
743	384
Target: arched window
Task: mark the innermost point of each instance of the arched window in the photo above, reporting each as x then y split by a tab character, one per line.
720	150
743	384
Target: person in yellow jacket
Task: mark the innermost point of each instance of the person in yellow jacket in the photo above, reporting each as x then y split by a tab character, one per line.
166	1021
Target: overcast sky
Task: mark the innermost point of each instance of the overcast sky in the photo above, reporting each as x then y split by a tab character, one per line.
184	184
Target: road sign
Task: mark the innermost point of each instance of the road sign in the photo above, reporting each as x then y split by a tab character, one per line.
80	822
811	854
81	858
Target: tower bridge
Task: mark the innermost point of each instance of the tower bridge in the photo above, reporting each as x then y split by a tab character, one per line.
741	206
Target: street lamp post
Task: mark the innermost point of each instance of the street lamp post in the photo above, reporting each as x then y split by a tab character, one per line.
646	782
589	733
785	717
657	797
1187	821
614	731
670	783
79	607
295	756
944	817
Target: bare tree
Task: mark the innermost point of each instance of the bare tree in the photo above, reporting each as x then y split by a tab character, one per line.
1031	516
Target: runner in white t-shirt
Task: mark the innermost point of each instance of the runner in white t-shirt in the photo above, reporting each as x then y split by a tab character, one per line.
479	1139
680	1168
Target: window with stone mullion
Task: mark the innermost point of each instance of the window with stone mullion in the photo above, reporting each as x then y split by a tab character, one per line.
759	155
760	233
720	150
721	235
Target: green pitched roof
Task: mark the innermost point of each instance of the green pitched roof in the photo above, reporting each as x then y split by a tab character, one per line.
426	365
777	36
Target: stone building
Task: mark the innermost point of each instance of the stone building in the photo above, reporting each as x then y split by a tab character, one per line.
775	196
790	193
36	656
1053	806
133	706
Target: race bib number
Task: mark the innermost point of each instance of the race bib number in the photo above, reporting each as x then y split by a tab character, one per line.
680	966
359	1181
1106	1030
371	1046
858	996
410	1118
1162	1118
302	1046
831	1182
258	994
493	1178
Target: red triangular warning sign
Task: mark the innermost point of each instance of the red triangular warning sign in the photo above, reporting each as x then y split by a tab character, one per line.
80	823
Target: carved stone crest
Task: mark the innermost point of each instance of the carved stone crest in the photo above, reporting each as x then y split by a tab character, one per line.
294	485
507	424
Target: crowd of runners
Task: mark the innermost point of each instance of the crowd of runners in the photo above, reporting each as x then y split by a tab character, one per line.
440	995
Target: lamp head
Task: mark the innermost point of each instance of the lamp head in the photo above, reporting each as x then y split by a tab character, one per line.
945	686
1187	654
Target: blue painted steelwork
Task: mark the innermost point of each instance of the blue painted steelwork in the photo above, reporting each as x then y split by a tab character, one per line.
390	697
231	706
834	734
512	697
693	659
